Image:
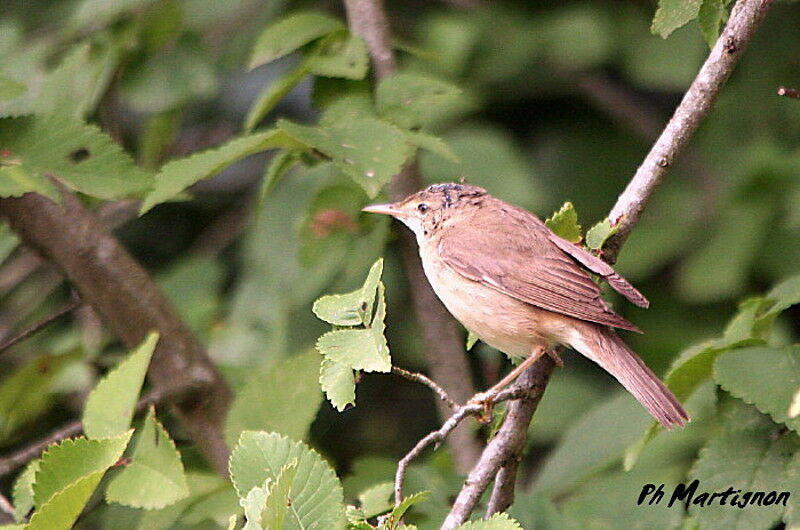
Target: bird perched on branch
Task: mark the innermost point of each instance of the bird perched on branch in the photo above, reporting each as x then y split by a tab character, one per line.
524	290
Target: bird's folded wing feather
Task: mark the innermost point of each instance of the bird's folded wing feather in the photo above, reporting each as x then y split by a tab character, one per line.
530	267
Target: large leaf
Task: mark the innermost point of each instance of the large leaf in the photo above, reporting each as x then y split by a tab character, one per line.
83	157
283	398
73	459
369	150
672	14
63	509
154	478
291	33
744	372
177	175
316	492
110	406
413	100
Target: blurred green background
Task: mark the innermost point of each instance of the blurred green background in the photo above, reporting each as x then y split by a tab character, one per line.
561	103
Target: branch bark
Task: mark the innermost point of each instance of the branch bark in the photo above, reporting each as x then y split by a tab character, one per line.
128	300
696	104
447	359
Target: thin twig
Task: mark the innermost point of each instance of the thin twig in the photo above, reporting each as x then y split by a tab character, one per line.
696	104
789	92
446	356
427	381
24	455
6	508
43	323
436	437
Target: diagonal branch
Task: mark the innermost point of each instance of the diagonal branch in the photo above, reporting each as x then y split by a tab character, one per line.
447	359
128	300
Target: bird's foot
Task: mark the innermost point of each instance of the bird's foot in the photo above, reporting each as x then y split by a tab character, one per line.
553	354
485	399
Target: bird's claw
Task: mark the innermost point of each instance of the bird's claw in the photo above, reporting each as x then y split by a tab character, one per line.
485	399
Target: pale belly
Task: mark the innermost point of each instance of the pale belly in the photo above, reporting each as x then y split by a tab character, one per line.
510	325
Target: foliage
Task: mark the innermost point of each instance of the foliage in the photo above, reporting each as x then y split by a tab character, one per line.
253	133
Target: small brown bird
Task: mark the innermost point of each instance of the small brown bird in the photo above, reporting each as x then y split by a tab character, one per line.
522	289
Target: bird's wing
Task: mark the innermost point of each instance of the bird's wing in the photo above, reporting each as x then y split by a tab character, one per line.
529	266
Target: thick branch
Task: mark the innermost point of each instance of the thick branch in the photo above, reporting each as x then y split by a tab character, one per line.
447	359
696	104
120	290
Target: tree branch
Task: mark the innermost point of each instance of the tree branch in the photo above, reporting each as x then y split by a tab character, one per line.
128	300
427	381
789	92
446	356
696	104
46	321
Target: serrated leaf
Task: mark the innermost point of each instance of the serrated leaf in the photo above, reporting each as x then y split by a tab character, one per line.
354	308
154	478
355	348
400	510
498	521
673	14
110	406
291	33
82	156
375	500
23	491
272	94
711	15
337	380
743	373
340	56
177	175
597	235
16	181
434	144
564	223
282	398
11	89
278	500
316	492
752	459
73	459
471	340
413	100
368	150
64	507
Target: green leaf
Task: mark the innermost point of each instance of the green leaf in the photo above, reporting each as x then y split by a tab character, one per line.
10	89
23	491
750	459
337	380
273	94
400	510
412	100
597	235
97	13
154	478
672	14
564	223
743	372
15	181
64	507
291	33
110	406
342	55
375	500
278	500
84	158
471	340
281	163
498	521
359	349
73	459
434	144
711	15
316	492
283	398
368	150
351	309
177	175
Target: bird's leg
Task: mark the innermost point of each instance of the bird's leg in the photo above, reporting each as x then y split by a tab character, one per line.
487	398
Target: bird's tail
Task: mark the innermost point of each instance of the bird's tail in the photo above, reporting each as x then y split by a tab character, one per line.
606	348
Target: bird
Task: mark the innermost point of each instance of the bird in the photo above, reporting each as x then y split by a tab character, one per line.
524	290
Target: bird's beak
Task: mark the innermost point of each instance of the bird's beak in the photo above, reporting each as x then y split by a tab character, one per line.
386	209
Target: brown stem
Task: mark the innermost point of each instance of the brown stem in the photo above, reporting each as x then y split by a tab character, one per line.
446	356
696	104
427	381
128	300
38	326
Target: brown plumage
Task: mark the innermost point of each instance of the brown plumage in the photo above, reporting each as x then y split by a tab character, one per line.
510	280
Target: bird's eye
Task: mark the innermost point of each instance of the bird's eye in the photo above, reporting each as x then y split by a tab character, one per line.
422	207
